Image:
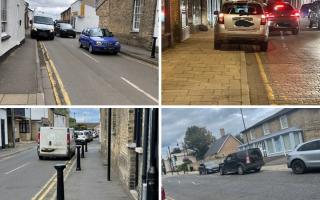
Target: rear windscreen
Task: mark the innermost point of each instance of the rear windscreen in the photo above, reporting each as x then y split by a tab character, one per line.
242	8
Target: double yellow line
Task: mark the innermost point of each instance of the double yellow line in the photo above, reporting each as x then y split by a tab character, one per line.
53	73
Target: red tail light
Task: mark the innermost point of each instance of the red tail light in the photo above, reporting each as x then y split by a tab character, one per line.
263	20
247	159
295	13
221	18
68	138
278	6
38	139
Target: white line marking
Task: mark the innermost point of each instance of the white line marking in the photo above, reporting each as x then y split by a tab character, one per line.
140	90
95	60
17	168
179	181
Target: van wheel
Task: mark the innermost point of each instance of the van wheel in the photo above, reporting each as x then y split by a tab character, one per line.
221	171
298	167
240	170
40	157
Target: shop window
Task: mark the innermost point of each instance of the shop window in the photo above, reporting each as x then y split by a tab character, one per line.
136	15
266	129
252	134
184	21
270	146
286	141
24	126
284	122
3	16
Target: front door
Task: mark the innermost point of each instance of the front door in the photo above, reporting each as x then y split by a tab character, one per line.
3	137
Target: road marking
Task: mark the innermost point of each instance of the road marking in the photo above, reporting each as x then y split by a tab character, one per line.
9	172
55	72
140	90
138	61
265	80
95	60
169	198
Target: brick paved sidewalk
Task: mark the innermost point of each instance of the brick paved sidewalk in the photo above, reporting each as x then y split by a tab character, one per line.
193	73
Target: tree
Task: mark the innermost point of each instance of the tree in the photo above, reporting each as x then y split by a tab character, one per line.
72	122
199	140
176	150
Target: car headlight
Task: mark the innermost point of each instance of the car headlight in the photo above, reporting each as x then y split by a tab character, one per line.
99	43
51	30
34	28
117	43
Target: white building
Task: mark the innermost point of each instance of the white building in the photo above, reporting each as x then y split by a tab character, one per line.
3	128
83	15
12	14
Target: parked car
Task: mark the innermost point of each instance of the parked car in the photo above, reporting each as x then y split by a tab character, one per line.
65	30
81	137
99	40
242	162
56	142
243	22
304	156
283	17
304	10
42	27
209	167
314	14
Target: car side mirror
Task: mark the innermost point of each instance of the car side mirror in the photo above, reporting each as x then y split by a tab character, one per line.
31	22
216	12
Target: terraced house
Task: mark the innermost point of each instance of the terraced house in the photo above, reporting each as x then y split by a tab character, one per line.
281	132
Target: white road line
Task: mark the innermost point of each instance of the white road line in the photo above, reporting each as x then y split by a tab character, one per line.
17	168
179	181
140	90
92	58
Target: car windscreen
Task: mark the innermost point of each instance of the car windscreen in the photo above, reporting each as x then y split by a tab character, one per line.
65	26
97	32
210	164
43	20
242	8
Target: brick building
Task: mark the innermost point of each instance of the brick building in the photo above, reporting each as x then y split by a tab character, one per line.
132	21
66	15
134	147
282	131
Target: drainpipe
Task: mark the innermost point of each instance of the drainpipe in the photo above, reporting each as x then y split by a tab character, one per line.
13	128
137	130
145	153
109	143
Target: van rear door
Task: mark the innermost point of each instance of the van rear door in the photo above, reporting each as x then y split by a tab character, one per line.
53	140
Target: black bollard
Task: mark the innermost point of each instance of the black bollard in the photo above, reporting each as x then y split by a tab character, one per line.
60	185
152	185
153	52
78	158
86	146
82	150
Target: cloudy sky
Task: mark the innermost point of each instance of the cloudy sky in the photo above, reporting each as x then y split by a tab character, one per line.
51	7
176	121
86	114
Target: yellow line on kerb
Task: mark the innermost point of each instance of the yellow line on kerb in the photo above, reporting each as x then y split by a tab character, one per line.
265	80
63	90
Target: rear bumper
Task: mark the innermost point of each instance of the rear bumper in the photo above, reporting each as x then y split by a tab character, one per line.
283	24
42	33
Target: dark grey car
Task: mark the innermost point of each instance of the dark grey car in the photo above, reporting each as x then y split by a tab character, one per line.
304	156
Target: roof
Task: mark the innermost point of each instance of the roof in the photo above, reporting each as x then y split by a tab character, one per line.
281	132
278	114
217	145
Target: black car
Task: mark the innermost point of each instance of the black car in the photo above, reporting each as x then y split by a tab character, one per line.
304	10
209	167
64	30
242	162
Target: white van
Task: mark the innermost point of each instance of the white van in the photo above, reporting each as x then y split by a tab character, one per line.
56	142
42	26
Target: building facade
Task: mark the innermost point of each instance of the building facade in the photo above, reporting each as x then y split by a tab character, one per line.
83	15
66	15
134	148
137	23
278	134
3	129
12	26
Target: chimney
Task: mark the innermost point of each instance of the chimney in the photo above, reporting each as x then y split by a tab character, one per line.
222	133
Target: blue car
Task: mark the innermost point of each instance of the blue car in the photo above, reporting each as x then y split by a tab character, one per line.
99	40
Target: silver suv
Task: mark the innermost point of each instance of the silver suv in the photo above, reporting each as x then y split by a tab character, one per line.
241	22
304	156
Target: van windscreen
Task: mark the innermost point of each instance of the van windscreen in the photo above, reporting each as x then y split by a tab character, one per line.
43	20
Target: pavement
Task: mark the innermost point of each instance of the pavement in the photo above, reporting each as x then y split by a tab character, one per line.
193	73
91	182
20	82
140	53
265	185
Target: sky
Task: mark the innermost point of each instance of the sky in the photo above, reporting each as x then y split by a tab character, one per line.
50	7
175	121
86	114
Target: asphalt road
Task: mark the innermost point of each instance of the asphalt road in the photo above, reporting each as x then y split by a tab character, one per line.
266	185
23	175
102	79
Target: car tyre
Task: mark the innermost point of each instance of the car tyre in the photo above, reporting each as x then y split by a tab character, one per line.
295	31
40	157
217	45
91	49
264	46
298	167
240	170
318	25
221	171
74	36
80	45
310	24
257	169
52	38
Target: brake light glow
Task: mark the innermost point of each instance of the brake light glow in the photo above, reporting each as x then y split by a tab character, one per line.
295	13
278	6
68	138
247	159
38	139
263	20
221	18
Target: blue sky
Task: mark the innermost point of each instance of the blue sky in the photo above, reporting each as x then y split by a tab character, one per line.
86	114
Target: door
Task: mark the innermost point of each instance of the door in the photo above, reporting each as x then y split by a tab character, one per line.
310	152
3	136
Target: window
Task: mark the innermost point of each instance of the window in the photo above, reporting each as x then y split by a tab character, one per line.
252	134
24	126
3	16
283	122
270	146
310	146
136	15
266	129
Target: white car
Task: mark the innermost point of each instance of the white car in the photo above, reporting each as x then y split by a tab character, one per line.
56	142
82	137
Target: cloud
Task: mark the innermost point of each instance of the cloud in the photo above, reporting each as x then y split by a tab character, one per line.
50	7
91	115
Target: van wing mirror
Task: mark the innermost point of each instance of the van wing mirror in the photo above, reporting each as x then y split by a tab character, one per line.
31	22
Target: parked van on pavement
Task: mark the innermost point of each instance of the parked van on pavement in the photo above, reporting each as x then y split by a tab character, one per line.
56	142
42	26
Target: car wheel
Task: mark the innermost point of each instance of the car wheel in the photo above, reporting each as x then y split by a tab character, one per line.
310	24
318	25
80	45
217	45
91	49
298	167
264	46
295	31
240	170
52	38
257	169
40	157
221	171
